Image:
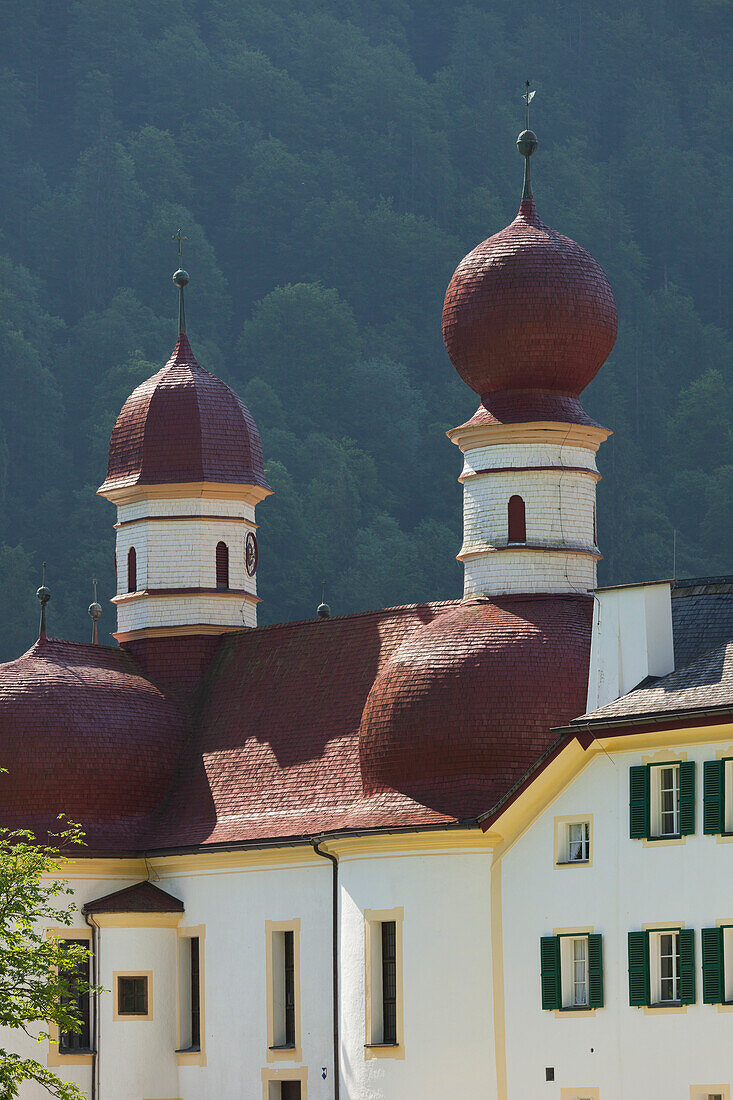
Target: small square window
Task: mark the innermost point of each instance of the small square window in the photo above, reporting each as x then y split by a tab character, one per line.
573	840
665	800
132	995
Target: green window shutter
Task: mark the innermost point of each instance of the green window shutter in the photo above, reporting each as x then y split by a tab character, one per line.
638	969
638	801
550	969
713	797
595	970
713	991
687	797
687	966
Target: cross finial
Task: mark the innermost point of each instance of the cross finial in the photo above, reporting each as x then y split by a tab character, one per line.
180	238
95	612
43	595
527	96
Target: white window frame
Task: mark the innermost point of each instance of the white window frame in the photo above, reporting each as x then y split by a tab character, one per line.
570	945
562	844
656	777
655	967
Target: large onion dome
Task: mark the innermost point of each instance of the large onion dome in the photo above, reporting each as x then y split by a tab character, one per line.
468	701
84	734
184	425
528	310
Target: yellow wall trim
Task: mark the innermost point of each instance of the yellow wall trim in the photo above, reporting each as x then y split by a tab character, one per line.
407	844
371	918
579	1094
208	490
497	971
299	1073
701	1092
137	920
288	1054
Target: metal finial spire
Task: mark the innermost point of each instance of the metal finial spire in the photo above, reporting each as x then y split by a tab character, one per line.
43	596
95	611
324	610
181	279
527	143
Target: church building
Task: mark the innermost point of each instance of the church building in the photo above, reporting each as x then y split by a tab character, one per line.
469	848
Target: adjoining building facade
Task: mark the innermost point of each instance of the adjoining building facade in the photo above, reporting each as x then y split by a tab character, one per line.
468	848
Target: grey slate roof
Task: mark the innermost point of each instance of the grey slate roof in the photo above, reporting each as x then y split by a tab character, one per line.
702	624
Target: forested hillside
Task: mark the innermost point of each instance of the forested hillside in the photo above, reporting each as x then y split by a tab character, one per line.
330	163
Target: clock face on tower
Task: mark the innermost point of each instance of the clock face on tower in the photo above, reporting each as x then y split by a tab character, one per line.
250	554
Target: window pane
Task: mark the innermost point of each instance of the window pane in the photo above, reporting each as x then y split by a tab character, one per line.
669	989
132	996
578	841
195	995
289	989
669	800
580	972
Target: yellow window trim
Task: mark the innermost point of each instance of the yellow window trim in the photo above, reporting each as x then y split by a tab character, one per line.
559	824
137	920
54	1057
580	1094
291	1054
701	1092
191	1057
372	917
299	1073
131	1018
665	756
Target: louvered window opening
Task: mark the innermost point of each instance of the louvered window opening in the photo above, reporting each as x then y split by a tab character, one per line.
222	565
131	570
389	981
195	994
516	520
289	989
77	1040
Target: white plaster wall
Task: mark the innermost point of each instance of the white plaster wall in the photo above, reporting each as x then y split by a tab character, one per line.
528	454
448	1022
210	609
625	1052
558	508
500	572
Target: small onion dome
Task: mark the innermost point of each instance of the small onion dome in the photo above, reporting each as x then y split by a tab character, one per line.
82	733
528	309
182	425
468	702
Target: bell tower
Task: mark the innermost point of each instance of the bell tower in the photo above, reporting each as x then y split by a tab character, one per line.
529	319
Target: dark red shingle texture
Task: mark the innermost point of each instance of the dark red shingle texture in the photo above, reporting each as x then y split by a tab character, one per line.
467	702
184	424
84	734
528	309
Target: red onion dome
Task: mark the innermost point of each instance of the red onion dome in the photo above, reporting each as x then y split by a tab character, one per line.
181	425
529	309
84	734
469	700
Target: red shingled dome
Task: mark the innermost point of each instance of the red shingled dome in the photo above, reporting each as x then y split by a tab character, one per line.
84	734
467	703
181	425
529	309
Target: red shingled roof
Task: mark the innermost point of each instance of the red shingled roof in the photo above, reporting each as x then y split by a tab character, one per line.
184	424
528	309
459	699
84	734
142	897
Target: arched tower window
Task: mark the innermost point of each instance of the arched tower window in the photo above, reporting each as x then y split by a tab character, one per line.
222	565
517	524
131	570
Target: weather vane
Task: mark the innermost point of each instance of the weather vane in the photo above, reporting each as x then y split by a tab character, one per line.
527	143
181	279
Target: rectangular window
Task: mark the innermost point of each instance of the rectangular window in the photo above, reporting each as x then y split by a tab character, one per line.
578	842
383	957
70	1041
283	983
572	971
284	1088
132	995
666	800
662	967
667	987
662	800
189	993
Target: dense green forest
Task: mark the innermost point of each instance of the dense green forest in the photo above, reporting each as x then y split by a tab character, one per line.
330	162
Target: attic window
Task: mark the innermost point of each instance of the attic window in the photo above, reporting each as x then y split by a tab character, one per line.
517	524
131	570
222	565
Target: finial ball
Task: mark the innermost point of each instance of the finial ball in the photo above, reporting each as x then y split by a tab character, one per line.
180	278
527	143
43	595
324	611
95	610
